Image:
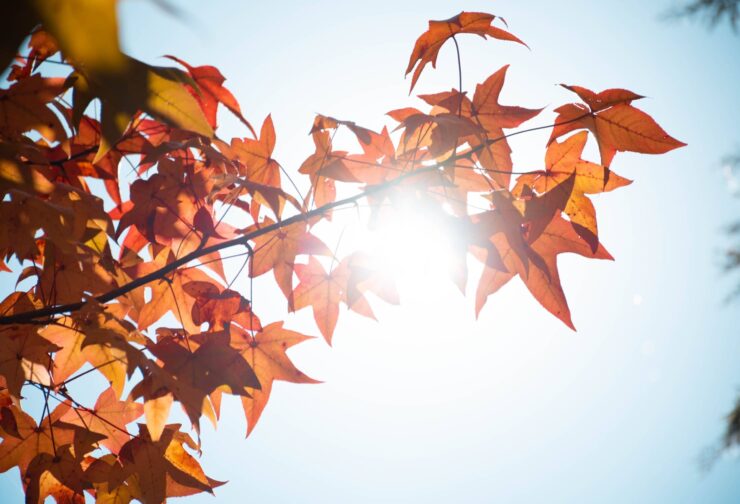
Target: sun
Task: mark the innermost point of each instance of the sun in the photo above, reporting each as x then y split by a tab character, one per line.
413	247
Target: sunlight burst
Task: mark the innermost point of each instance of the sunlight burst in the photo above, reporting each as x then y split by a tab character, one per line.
412	248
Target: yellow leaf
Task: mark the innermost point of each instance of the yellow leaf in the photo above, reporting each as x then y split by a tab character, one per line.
87	32
156	412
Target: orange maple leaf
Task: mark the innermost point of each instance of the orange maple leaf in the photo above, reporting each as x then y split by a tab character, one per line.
256	156
162	468
494	118
61	474
218	308
167	294
277	251
616	124
192	368
24	354
23	107
543	281
562	160
108	417
19	448
211	92
266	354
321	291
96	336
430	42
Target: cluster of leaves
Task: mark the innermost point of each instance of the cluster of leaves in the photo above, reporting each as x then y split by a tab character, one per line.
105	272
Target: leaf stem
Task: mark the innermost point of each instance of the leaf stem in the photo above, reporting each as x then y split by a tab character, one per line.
459	76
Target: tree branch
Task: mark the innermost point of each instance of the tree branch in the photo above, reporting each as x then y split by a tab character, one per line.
33	315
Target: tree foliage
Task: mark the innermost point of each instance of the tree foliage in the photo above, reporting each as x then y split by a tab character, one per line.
714	12
113	226
711	11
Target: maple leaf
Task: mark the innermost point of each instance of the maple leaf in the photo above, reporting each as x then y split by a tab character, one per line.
266	354
74	242
73	158
158	91
494	117
95	336
429	43
8	423
108	417
19	302
190	374
218	307
273	197
256	156
168	208
30	439
500	231
24	355
42	46
326	162
61	474
465	178
41	482
143	206
157	469
168	294
414	143
98	49
277	251
492	148
453	101
616	124
213	364
75	275
21	217
259	172
377	163
107	478
445	131
605	99
17	174
322	122
23	107
210	92
542	281
321	291
562	160
326	166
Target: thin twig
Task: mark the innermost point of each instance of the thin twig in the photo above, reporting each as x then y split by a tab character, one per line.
80	375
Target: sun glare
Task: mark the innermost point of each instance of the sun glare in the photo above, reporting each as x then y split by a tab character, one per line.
412	248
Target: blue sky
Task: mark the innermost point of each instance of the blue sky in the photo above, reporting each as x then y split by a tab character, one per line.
429	404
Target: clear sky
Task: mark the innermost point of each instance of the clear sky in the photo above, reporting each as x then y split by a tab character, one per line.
429	404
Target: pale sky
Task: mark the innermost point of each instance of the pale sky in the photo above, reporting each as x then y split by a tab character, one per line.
428	404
